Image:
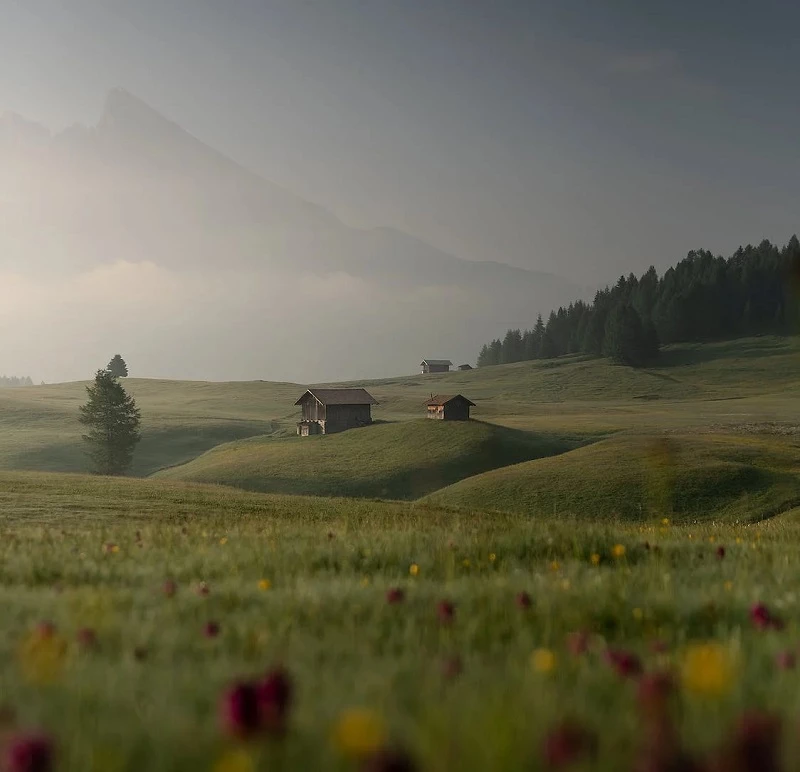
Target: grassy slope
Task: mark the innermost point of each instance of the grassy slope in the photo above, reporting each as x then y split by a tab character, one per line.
325	618
395	460
737	382
700	476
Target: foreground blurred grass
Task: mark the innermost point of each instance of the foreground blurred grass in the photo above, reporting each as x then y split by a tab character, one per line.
90	552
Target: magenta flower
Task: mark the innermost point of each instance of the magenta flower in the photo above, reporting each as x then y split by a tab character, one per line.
523	601
720	552
30	753
566	744
446	611
239	712
625	663
786	660
395	595
203	589
763	619
170	588
275	694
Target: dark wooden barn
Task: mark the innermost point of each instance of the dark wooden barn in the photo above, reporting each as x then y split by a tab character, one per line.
327	411
465	367
449	407
435	366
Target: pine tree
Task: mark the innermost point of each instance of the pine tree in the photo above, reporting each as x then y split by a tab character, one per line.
113	422
117	367
625	336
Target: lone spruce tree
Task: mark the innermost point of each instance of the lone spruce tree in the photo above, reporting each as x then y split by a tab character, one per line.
113	423
117	367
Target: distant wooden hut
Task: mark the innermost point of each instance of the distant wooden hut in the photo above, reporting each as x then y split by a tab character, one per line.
449	407
327	411
465	367
435	366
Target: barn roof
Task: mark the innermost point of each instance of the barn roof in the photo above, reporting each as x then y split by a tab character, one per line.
436	362
340	397
443	399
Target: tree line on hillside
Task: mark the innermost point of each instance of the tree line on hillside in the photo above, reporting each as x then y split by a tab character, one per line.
702	298
12	382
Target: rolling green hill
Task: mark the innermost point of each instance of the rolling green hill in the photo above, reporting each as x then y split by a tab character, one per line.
726	384
635	477
398	460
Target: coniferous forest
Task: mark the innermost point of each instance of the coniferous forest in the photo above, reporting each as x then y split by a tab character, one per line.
702	298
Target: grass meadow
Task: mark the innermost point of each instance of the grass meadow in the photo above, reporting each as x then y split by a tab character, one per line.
599	574
302	582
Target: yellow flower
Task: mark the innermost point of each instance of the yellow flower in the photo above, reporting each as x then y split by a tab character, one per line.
358	733
707	669
665	521
223	541
555	565
543	661
264	585
365	581
638	614
492	557
413	569
738	539
728	586
115	549
595	559
42	657
235	761
565	584
618	550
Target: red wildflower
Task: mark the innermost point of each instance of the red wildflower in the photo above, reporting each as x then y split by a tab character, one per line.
203	589
763	619
211	630
566	744
624	663
523	600
395	595
240	714
786	660
654	692
446	611
720	552
29	753
45	629
170	588
754	746
275	694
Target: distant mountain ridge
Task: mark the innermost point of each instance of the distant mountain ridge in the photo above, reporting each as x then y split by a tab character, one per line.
137	187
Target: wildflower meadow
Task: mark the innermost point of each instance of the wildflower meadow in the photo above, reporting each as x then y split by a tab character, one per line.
164	627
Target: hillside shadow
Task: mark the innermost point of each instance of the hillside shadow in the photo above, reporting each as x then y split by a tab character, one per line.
734	349
159	448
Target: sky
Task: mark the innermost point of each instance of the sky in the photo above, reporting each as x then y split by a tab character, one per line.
588	139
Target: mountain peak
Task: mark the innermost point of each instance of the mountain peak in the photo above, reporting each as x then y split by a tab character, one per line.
123	109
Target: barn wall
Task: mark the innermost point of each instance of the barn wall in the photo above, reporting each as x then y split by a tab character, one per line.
341	417
456	411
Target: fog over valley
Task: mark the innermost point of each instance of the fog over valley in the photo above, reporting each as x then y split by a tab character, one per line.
134	235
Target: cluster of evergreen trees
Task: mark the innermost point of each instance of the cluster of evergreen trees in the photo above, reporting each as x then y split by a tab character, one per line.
13	382
755	291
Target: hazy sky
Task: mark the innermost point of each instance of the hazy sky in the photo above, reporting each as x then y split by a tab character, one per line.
582	137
